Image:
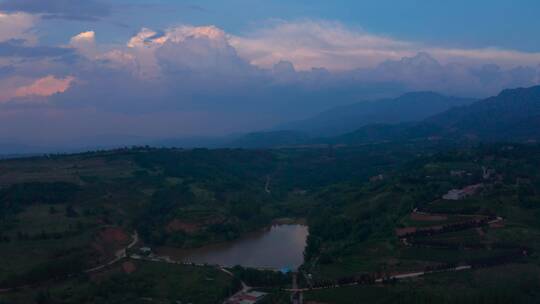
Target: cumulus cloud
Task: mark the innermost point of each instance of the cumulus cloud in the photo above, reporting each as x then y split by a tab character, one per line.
200	78
16	26
45	86
145	38
424	72
311	44
290	51
202	49
332	45
23	89
184	48
85	43
196	66
86	10
84	37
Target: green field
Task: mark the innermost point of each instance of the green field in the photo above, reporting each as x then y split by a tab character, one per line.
162	283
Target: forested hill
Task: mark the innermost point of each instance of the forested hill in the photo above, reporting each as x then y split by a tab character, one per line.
512	115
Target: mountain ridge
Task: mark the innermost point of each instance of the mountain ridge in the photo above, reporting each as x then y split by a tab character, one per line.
408	107
512	115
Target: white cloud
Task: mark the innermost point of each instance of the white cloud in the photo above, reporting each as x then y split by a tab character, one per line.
16	26
142	39
45	86
85	43
22	87
332	45
306	44
120	59
183	47
189	69
309	44
84	37
507	58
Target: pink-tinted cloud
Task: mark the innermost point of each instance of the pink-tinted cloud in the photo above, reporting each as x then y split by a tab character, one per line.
88	36
85	44
45	86
84	10
16	26
308	44
191	47
190	80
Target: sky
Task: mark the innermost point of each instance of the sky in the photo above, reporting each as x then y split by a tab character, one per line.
88	72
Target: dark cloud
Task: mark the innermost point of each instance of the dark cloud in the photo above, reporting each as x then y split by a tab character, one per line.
82	10
16	48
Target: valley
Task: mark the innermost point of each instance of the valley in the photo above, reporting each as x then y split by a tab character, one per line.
269	152
375	214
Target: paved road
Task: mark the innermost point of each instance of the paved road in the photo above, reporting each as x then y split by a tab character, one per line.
380	280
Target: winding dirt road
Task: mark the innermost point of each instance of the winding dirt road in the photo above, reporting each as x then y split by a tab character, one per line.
119	255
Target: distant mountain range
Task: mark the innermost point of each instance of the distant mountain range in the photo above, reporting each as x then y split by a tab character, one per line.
513	115
409	107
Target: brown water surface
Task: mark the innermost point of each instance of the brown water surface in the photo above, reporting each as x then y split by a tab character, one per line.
280	246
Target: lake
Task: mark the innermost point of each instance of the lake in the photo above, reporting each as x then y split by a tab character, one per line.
276	247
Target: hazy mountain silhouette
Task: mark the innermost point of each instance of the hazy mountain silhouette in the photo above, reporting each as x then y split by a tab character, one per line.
409	107
513	115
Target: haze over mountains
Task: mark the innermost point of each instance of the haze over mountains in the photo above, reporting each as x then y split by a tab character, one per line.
409	107
513	115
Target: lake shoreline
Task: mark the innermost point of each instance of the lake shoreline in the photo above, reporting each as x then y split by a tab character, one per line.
276	246
289	221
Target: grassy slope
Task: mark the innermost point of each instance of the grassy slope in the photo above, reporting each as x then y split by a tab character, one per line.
160	282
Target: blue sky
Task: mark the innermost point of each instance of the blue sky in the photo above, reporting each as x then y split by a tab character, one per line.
478	23
504	23
71	69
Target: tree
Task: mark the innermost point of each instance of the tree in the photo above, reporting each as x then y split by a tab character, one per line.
70	211
52	210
